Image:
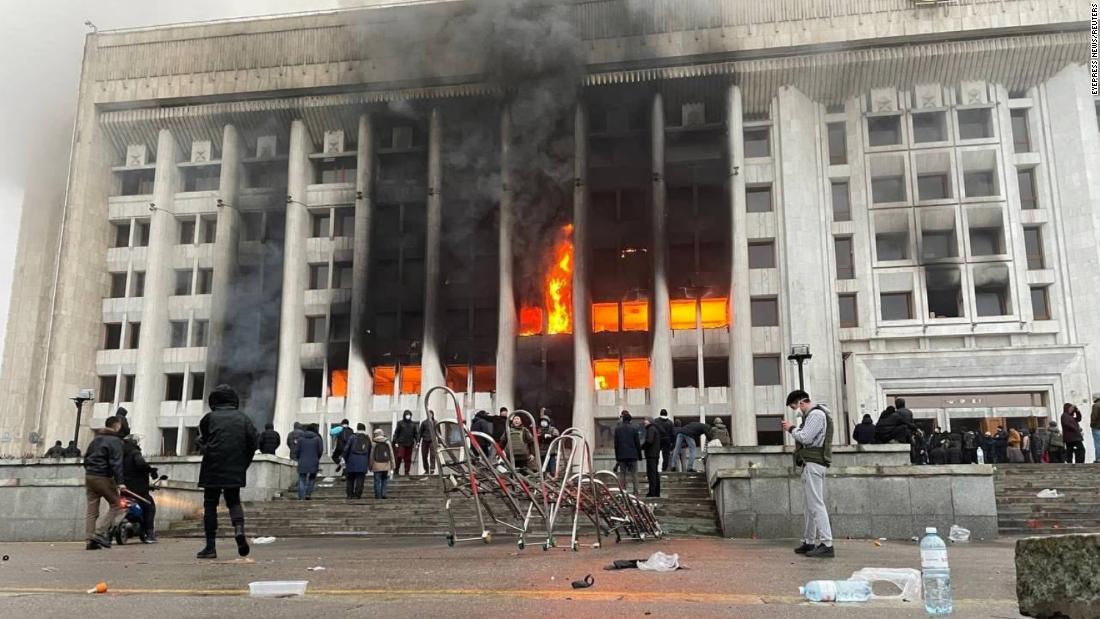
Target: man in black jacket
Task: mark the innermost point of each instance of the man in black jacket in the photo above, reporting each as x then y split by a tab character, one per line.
136	472
293	436
269	439
72	451
57	451
628	449
103	480
404	439
227	441
652	448
427	438
668	437
124	430
342	438
483	425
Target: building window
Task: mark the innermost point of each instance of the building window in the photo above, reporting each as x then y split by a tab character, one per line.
764	312
315	329
944	292
758	142
106	392
849	312
141	234
187	232
183	282
320	224
1033	245
758	199
884	130
133	335
838	144
199	333
762	255
685	373
845	260
765	370
205	178
344	223
892	236
986	230
177	334
341	328
318	276
205	282
975	124
253	225
168	439
888	189
768	430
1025	178
842	203
198	383
897	305
137	182
636	373
173	387
979	183
137	284
1021	138
929	127
341	275
313	383
209	229
716	371
1040	303
127	392
118	285
337	170
112	336
122	234
934	186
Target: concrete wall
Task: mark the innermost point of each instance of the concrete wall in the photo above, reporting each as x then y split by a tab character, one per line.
895	502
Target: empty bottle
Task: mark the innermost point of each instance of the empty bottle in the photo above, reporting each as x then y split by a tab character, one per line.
836	591
935	574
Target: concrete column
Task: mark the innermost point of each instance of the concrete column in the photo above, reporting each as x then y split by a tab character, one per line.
288	391
163	231
506	313
360	381
661	368
225	252
810	302
743	431
584	391
431	366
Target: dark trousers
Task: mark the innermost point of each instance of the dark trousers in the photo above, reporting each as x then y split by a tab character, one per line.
402	453
210	498
970	456
1056	455
653	476
381	480
1075	452
666	455
148	514
355	485
427	457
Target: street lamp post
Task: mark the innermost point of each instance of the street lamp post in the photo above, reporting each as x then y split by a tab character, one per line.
81	397
800	354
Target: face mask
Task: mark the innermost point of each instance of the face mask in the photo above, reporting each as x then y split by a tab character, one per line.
545	424
408	417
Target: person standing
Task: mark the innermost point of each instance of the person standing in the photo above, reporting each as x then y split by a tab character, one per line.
269	440
814	451
651	447
864	433
628	449
136	472
1040	440
381	462
307	452
905	415
668	438
293	436
427	439
989	450
404	439
57	451
484	427
1056	451
72	451
1074	436
970	447
1015	455
1094	423
343	435
720	433
103	479
1000	444
547	434
357	461
227	441
123	431
520	444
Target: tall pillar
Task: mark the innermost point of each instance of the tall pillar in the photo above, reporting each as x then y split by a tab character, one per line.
360	382
805	250
163	232
584	391
661	372
430	364
226	246
743	431
288	391
506	313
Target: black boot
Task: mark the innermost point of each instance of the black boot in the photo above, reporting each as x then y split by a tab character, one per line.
242	541
209	551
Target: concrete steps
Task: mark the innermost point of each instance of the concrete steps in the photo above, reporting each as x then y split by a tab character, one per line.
415	506
1021	512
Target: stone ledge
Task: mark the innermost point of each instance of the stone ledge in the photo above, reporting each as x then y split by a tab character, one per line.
949	470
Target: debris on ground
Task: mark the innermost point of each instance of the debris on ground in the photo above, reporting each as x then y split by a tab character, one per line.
1049	493
907	580
100	587
959	535
584	583
277	588
657	562
49	569
263	540
317	568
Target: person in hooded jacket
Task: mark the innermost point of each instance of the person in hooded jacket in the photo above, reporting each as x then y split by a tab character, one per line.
227	441
668	438
269	439
71	451
483	425
1056	449
628	449
57	451
864	433
103	479
137	473
124	431
1000	444
547	433
405	436
1073	435
293	436
720	433
381	463
891	428
343	435
357	461
651	448
989	448
427	440
308	454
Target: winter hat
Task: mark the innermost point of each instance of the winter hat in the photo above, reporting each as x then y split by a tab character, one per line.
121	412
379	434
223	396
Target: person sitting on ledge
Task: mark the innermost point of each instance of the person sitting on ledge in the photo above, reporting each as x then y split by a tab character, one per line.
57	451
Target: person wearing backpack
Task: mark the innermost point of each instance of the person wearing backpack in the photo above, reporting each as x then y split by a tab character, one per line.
381	463
1056	451
357	461
970	447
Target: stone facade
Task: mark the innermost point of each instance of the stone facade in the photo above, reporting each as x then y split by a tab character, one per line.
238	175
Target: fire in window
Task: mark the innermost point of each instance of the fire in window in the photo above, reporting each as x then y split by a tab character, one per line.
410	379
606	373
682	314
384	377
636	316
338	383
457	377
605	317
636	373
715	313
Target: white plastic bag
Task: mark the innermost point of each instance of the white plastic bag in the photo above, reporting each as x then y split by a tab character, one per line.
1049	493
907	580
959	535
263	540
660	562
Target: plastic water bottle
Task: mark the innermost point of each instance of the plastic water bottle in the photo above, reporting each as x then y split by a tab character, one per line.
981	456
936	575
836	591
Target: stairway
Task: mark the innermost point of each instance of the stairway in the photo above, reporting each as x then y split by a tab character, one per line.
1020	512
414	506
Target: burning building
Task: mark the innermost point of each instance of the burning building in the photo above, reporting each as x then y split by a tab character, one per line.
585	206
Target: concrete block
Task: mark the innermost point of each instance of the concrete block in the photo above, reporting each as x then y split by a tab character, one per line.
888	495
738	525
848	495
891	526
981	527
930	495
734	496
923	521
973	496
1056	576
855	526
771	495
775	526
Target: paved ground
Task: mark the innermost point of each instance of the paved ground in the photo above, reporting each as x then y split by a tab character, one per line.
415	577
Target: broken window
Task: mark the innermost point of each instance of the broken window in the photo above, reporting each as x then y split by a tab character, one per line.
605	318
173	387
685	373
714	312
313	383
198	383
384	379
884	130
635	315
682	314
606	373
410	379
636	373
944	287
716	372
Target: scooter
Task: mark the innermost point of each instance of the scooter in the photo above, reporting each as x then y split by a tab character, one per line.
131	525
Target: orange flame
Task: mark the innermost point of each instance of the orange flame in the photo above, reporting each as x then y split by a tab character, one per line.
557	293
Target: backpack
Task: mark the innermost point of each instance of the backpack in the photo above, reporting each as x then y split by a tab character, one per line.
360	444
1057	441
970	440
382	453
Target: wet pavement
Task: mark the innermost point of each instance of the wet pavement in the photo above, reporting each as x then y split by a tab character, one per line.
417	577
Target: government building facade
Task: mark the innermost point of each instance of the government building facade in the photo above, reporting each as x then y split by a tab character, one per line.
585	206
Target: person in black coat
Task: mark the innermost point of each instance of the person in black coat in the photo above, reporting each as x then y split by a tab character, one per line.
891	428
293	436
57	451
668	437
121	413
651	447
227	441
269	440
483	425
307	453
103	480
342	438
72	451
864	434
137	472
628	449
357	461
405	436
